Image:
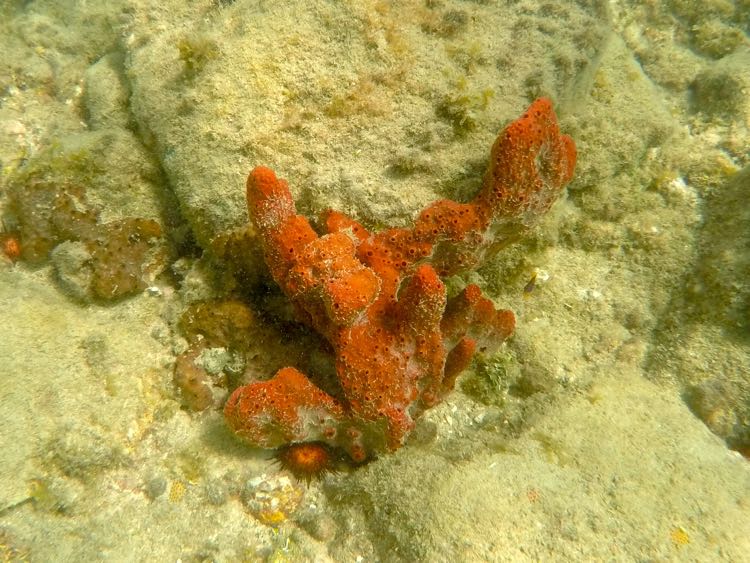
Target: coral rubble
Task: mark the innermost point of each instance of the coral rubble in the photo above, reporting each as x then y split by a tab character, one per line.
378	299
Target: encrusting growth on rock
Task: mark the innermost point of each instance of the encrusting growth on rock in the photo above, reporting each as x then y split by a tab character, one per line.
116	259
378	299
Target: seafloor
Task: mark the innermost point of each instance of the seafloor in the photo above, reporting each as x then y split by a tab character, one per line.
614	425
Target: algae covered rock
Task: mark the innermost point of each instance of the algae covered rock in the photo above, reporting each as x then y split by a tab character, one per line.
117	259
721	90
93	260
239	85
65	195
71	261
126	256
106	94
702	341
720	292
47	214
227	340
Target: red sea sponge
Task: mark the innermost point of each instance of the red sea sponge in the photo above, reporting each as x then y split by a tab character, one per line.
378	300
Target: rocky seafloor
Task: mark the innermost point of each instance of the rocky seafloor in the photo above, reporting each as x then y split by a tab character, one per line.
614	425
